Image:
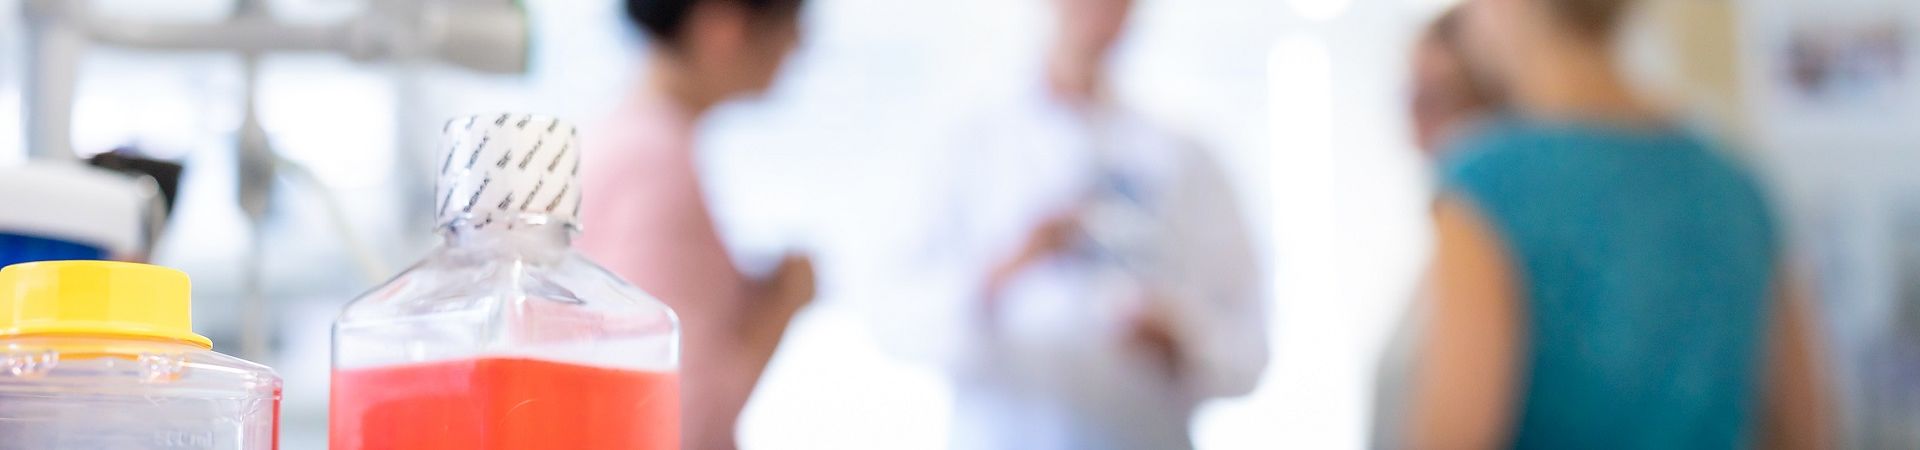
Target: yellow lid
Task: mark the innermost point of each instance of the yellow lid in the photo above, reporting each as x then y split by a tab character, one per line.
96	298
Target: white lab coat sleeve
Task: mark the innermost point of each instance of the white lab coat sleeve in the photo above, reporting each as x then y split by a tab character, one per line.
1216	283
928	309
931	315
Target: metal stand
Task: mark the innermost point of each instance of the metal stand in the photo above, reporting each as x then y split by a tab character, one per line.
482	35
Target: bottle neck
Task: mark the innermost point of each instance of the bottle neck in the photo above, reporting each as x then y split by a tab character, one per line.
527	234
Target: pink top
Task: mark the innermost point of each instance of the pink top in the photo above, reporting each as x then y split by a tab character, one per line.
644	217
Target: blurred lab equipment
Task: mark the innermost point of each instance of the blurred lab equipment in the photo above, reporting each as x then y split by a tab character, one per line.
102	355
130	161
505	337
482	35
63	210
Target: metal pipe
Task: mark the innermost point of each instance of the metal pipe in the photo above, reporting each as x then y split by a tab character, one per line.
255	161
246	34
53	60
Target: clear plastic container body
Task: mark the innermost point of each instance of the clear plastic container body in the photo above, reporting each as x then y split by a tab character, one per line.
504	338
82	392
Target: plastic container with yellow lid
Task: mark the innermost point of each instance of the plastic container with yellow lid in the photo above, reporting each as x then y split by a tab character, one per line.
102	355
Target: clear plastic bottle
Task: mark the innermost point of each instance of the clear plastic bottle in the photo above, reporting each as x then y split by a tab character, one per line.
505	338
102	355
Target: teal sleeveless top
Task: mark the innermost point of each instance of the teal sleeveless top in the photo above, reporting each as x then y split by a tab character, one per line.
1646	259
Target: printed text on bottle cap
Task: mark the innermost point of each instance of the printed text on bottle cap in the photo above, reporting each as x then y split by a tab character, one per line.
495	168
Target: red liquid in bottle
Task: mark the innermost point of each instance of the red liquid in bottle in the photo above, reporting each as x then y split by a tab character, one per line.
504	403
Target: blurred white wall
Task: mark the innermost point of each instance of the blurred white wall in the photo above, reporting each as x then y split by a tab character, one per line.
1842	165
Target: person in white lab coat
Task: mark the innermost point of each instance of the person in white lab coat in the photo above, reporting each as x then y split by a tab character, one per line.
1088	278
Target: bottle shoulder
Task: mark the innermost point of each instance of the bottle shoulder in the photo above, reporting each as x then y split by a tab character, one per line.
109	365
456	279
462	304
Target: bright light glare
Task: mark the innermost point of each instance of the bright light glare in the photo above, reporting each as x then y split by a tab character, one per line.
1320	9
1300	114
331	118
1308	298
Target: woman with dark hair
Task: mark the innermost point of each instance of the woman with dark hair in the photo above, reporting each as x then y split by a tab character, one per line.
649	216
1603	278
